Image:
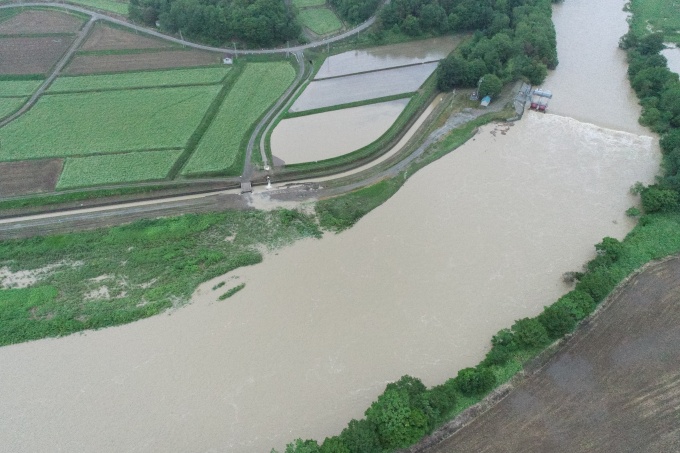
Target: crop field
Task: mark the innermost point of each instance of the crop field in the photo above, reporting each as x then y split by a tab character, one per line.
92	64
9	105
321	21
260	85
104	37
31	55
659	15
11	88
361	87
29	176
177	77
120	8
117	168
106	122
33	21
308	3
614	388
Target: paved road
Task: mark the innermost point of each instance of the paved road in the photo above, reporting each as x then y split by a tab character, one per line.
104	17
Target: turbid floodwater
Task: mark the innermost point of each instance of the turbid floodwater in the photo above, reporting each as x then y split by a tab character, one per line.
469	244
331	134
672	54
384	57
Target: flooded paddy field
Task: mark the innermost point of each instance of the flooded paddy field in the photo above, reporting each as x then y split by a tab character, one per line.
616	387
385	57
332	134
362	87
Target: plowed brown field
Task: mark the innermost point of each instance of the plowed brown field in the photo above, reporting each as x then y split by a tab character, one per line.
29	176
40	22
31	55
108	38
91	64
615	387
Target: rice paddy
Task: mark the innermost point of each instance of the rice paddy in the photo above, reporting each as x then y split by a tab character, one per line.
106	122
117	168
260	85
147	79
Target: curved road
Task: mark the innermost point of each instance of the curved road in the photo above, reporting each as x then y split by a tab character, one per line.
101	16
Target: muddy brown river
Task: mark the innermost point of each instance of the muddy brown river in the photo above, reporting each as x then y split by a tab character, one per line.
469	244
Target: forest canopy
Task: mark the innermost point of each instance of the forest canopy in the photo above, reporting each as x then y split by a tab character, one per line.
259	23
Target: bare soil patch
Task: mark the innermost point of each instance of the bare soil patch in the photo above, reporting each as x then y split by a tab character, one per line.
41	22
29	176
91	64
31	55
108	38
614	387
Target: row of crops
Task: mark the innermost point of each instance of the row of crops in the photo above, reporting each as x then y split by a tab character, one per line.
129	127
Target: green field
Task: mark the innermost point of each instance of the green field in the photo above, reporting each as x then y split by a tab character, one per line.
660	15
308	3
18	87
147	79
320	20
106	122
260	85
9	105
116	168
106	5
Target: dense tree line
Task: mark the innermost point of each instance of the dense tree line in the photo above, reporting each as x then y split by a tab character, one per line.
260	23
514	38
658	89
355	11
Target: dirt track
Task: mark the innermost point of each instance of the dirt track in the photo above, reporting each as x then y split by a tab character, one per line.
615	387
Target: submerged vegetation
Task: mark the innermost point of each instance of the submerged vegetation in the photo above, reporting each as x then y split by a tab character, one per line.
58	285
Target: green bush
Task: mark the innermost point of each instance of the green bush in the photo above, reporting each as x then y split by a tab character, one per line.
360	437
334	445
442	398
655	198
557	320
579	303
475	381
529	333
397	424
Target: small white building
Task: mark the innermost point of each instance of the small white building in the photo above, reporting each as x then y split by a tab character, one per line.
227	60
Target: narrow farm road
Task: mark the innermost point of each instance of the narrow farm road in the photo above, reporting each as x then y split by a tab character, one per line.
266	122
55	72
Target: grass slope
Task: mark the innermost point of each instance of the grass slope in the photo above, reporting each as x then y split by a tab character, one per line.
116	168
118	275
260	85
147	79
320	20
106	122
